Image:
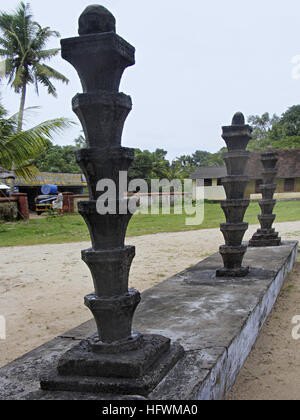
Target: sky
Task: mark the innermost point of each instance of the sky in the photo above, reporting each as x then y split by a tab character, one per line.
197	63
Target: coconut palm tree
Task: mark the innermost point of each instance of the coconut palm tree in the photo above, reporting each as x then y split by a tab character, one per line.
19	148
22	45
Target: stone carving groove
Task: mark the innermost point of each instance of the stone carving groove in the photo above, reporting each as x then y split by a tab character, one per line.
266	235
236	137
116	359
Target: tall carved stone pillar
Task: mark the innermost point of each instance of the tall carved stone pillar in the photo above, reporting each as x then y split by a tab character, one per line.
115	359
266	235
236	137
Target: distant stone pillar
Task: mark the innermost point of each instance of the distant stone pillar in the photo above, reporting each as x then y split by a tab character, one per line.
236	137
266	235
116	359
23	207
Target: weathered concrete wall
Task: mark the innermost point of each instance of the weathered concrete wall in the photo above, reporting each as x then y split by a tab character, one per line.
8	209
279	196
23	208
77	199
215	192
14	207
217	320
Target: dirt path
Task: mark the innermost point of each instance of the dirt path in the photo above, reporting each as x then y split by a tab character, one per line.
42	289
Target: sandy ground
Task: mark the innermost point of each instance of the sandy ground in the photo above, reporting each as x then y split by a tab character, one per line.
42	289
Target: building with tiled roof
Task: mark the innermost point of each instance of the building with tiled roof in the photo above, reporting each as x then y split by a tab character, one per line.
288	177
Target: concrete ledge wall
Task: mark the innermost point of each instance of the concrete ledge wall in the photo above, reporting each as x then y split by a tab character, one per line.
235	356
216	320
239	310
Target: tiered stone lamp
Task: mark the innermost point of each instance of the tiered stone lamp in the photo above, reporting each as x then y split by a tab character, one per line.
236	137
116	359
266	235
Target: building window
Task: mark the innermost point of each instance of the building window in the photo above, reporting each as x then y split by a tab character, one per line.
289	185
219	182
258	183
208	183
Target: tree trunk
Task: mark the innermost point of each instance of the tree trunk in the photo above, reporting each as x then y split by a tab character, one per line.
19	128
22	106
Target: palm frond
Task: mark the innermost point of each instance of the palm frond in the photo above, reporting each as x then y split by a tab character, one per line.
50	72
45	81
46	54
23	146
27	172
27	112
42	36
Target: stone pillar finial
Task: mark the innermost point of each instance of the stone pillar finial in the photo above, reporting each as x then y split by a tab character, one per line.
236	136
238	119
96	19
134	363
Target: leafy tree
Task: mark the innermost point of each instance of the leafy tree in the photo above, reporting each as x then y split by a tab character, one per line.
279	132
80	142
58	159
188	164
214	159
22	45
262	125
149	165
160	165
185	160
289	123
19	148
200	156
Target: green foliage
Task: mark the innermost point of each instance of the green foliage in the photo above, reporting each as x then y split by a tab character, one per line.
149	165
279	132
19	148
80	142
22	45
51	214
58	159
183	166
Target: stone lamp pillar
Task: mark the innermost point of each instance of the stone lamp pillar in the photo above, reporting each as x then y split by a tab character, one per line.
115	359
266	235
236	137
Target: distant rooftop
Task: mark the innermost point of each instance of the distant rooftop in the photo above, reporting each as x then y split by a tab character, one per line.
208	172
59	179
4	173
288	166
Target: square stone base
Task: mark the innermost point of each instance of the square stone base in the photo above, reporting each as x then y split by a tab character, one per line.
135	372
261	242
234	272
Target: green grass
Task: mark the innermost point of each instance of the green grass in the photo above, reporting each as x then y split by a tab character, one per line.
71	228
